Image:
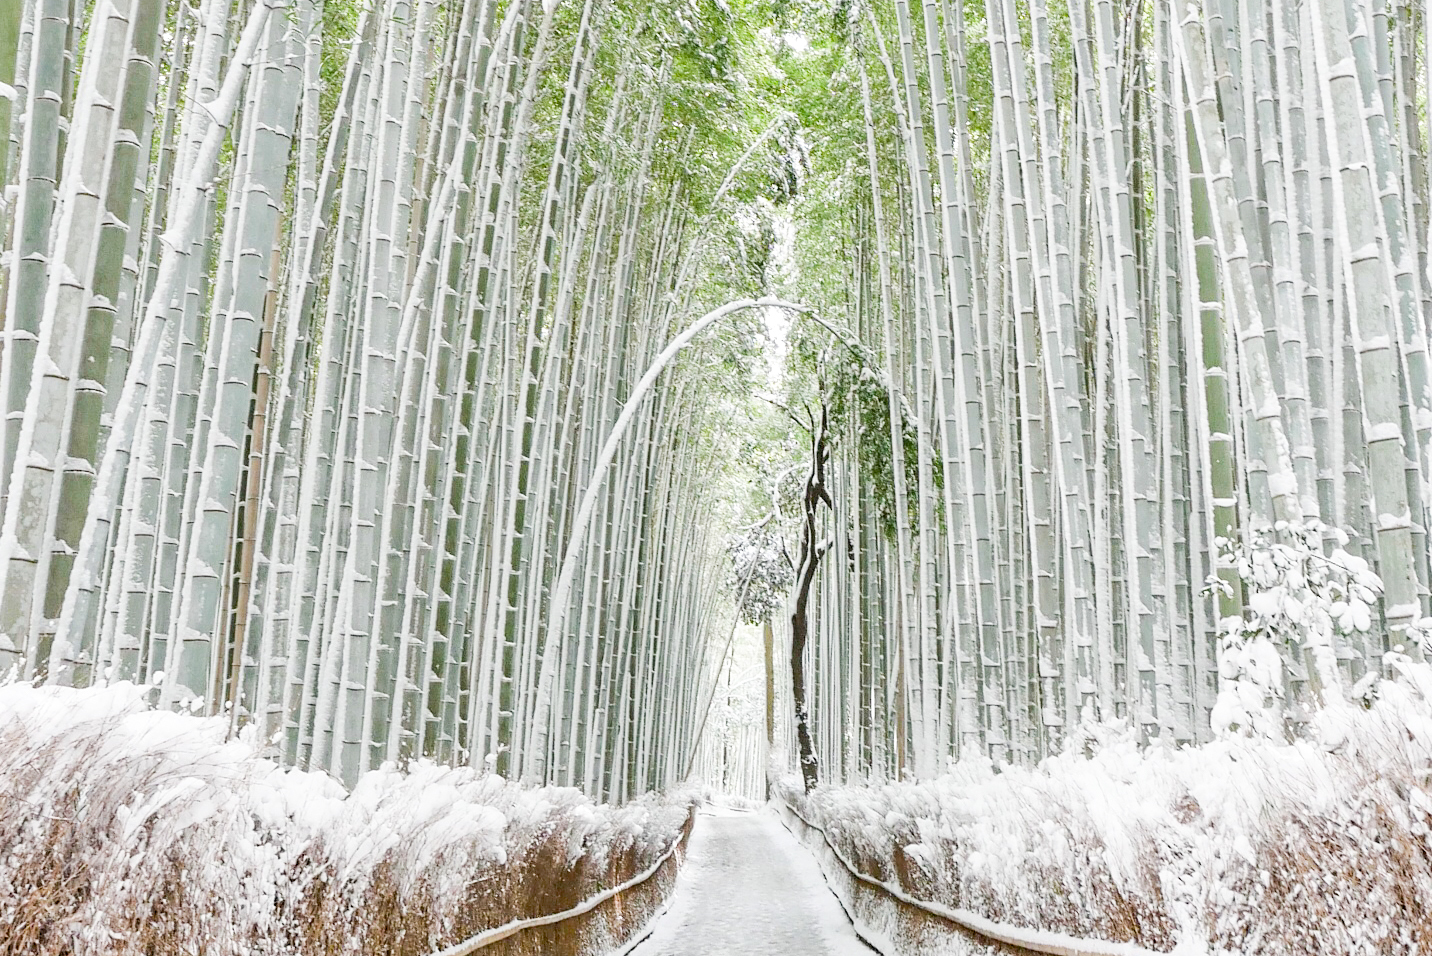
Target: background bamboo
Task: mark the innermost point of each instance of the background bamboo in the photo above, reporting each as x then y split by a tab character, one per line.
1142	241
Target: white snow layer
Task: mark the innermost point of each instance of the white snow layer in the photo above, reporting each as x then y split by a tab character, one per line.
748	888
176	829
1320	847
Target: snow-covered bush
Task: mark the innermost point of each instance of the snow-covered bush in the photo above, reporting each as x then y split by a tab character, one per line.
762	570
125	829
1248	846
1301	596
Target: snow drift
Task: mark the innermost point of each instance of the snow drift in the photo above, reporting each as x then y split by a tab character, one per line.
125	829
1321	847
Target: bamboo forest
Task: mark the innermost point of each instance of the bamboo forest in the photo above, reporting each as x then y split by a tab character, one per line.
990	440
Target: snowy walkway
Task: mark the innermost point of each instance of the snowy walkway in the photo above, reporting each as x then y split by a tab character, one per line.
748	888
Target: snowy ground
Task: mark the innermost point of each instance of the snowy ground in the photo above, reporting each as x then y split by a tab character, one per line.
747	889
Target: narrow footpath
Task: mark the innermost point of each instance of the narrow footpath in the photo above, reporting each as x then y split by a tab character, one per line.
748	888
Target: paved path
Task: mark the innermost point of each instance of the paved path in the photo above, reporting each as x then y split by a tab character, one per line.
748	888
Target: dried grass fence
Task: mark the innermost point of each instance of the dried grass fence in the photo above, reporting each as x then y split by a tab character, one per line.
1318	847
893	921
147	834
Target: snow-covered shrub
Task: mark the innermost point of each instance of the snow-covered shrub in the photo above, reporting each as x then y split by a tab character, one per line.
1298	594
125	829
762	571
1246	845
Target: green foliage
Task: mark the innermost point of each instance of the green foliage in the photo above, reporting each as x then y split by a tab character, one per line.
729	360
762	571
859	403
979	84
340	32
711	48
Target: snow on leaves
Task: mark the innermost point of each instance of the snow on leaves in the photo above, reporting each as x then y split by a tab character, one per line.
1305	594
762	568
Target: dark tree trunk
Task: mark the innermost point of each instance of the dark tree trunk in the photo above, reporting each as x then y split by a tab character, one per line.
812	550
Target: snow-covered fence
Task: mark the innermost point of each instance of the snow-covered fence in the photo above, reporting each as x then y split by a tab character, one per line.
126	830
1317	847
897	924
615	913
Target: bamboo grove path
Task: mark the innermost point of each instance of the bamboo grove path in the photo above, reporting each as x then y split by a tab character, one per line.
749	888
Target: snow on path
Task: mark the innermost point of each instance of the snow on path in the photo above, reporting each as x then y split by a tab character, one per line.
748	888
